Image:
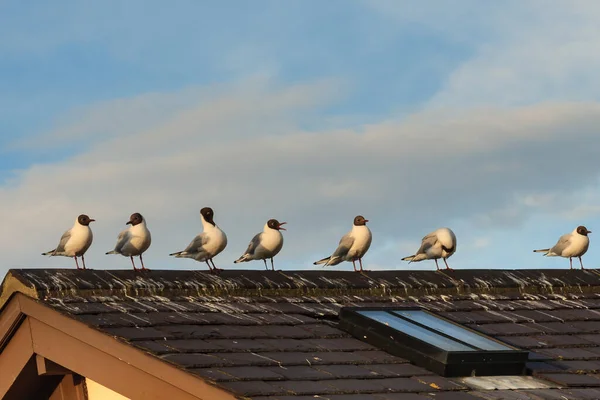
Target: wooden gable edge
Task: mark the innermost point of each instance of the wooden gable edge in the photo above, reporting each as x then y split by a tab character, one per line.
88	352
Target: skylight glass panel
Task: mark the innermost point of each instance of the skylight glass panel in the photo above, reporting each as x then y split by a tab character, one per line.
450	329
414	330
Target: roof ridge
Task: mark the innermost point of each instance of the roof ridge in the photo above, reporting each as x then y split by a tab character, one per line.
62	283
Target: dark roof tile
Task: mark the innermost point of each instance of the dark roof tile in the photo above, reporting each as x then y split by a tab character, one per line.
397	370
193	346
367	386
553	327
575	315
506	329
307	387
577	365
148	333
540	367
403	385
252	388
501	395
591	338
573	379
251	373
440	383
318	358
194	360
301	373
347	371
585	326
454	396
582	394
583	353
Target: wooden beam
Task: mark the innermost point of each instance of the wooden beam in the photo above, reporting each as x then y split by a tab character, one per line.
70	388
109	361
14	357
47	367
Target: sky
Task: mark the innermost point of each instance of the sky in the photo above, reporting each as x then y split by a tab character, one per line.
479	116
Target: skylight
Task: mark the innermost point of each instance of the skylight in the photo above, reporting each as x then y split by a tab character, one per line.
433	342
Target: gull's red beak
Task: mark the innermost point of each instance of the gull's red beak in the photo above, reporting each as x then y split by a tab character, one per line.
366	220
92	220
280	228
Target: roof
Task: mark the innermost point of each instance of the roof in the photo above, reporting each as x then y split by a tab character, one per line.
274	334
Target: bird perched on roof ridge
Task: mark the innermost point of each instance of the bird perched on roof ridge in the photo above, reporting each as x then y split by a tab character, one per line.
440	243
569	245
207	244
133	241
265	244
75	242
352	246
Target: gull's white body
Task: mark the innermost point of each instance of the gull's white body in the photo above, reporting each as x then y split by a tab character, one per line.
266	244
74	242
206	245
133	241
440	243
351	247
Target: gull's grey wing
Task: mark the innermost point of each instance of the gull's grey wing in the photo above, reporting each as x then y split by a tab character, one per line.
122	240
427	242
563	242
63	242
253	244
197	243
344	246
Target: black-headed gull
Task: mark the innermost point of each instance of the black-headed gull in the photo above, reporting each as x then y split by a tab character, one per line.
570	245
75	242
440	243
207	244
352	246
265	244
133	241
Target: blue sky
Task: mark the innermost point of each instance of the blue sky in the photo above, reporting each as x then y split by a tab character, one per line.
416	114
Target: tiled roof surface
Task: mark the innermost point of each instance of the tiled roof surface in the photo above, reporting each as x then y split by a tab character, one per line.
274	335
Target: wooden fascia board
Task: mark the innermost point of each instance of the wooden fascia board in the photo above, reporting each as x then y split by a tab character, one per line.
108	361
15	355
10	317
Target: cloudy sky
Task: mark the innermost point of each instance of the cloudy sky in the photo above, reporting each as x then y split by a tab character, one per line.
480	116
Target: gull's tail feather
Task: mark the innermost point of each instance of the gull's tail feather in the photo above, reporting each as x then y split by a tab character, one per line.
322	261
112	252
49	253
409	258
177	254
542	251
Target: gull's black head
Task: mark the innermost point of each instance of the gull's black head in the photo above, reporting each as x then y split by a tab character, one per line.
274	224
208	215
582	230
359	220
136	218
84	220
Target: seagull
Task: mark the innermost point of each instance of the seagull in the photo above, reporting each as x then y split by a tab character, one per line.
265	244
133	241
352	246
570	245
440	243
207	244
75	242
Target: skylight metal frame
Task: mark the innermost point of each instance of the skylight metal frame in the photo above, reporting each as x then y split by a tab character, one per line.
442	362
